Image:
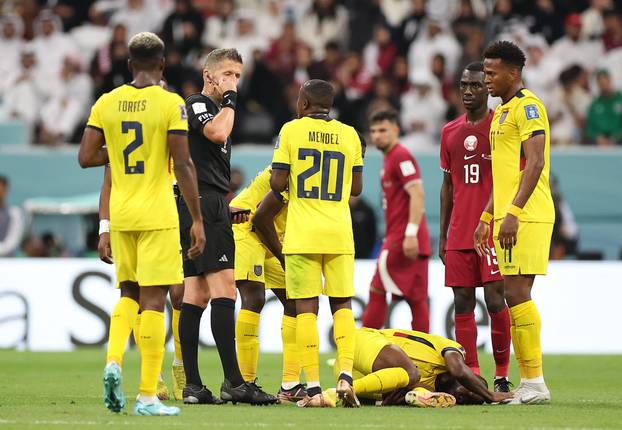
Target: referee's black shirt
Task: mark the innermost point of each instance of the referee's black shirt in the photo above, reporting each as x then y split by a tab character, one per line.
211	159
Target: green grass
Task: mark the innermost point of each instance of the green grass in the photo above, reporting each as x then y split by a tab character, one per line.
63	390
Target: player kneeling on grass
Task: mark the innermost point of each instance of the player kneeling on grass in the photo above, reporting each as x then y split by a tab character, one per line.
415	368
259	265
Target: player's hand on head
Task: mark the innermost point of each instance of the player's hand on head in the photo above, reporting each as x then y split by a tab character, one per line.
410	246
480	238
508	231
103	248
197	240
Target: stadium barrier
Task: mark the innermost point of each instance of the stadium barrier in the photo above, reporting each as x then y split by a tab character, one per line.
61	304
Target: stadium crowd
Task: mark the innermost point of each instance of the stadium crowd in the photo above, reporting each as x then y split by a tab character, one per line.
60	55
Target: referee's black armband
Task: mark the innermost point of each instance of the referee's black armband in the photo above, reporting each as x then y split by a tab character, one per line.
229	98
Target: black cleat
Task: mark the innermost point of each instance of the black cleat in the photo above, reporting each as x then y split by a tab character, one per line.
248	392
502	385
293	394
199	395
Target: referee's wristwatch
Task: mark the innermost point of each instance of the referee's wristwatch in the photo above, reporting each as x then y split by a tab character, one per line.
229	99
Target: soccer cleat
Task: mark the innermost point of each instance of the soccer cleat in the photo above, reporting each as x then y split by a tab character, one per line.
429	399
248	392
502	385
317	401
345	392
293	394
530	394
162	390
114	399
179	381
197	395
156	408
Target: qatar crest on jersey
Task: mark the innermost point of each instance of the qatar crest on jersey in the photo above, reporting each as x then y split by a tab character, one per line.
470	143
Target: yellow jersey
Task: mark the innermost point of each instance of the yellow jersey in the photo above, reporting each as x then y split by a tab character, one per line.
135	123
321	156
427	351
513	123
250	197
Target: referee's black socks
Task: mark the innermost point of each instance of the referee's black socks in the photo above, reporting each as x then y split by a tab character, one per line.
189	324
223	330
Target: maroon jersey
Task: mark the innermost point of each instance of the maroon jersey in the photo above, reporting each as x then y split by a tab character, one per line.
465	154
400	169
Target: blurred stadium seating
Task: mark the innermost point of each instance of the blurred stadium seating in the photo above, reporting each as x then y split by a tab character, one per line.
59	55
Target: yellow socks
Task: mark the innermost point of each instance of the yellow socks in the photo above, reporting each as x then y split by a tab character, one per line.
308	341
382	381
291	358
525	329
152	334
175	327
344	334
121	324
247	338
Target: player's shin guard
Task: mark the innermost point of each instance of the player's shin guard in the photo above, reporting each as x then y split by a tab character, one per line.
381	381
247	337
376	311
500	336
527	339
121	323
344	333
291	357
466	335
308	341
152	334
421	315
175	326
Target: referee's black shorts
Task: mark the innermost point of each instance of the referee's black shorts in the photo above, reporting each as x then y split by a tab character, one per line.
219	252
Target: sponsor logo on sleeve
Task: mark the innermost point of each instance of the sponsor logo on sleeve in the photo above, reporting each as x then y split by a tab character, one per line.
408	168
278	140
531	112
199	107
182	111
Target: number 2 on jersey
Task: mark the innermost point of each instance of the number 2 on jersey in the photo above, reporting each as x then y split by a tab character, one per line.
324	159
139	167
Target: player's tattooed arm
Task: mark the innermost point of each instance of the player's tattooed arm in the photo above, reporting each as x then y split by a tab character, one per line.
92	152
447	204
263	221
459	370
533	148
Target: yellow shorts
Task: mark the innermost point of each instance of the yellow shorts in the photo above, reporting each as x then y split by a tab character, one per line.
253	262
303	275
368	345
530	255
149	258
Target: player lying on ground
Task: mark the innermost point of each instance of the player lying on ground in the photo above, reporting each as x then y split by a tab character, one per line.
467	183
142	125
176	292
389	364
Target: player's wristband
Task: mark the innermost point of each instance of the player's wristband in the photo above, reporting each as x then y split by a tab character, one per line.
229	98
515	210
486	217
411	229
104	226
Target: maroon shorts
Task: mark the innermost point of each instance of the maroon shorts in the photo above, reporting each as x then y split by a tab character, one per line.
401	276
464	268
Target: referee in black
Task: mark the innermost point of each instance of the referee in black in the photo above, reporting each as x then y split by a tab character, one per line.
210	275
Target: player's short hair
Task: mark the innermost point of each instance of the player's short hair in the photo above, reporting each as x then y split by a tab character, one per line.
146	47
319	93
475	66
4	180
384	115
508	52
219	55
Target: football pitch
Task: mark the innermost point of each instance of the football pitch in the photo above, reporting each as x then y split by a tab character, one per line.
63	390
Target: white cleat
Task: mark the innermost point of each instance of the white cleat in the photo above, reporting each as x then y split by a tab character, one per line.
530	394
